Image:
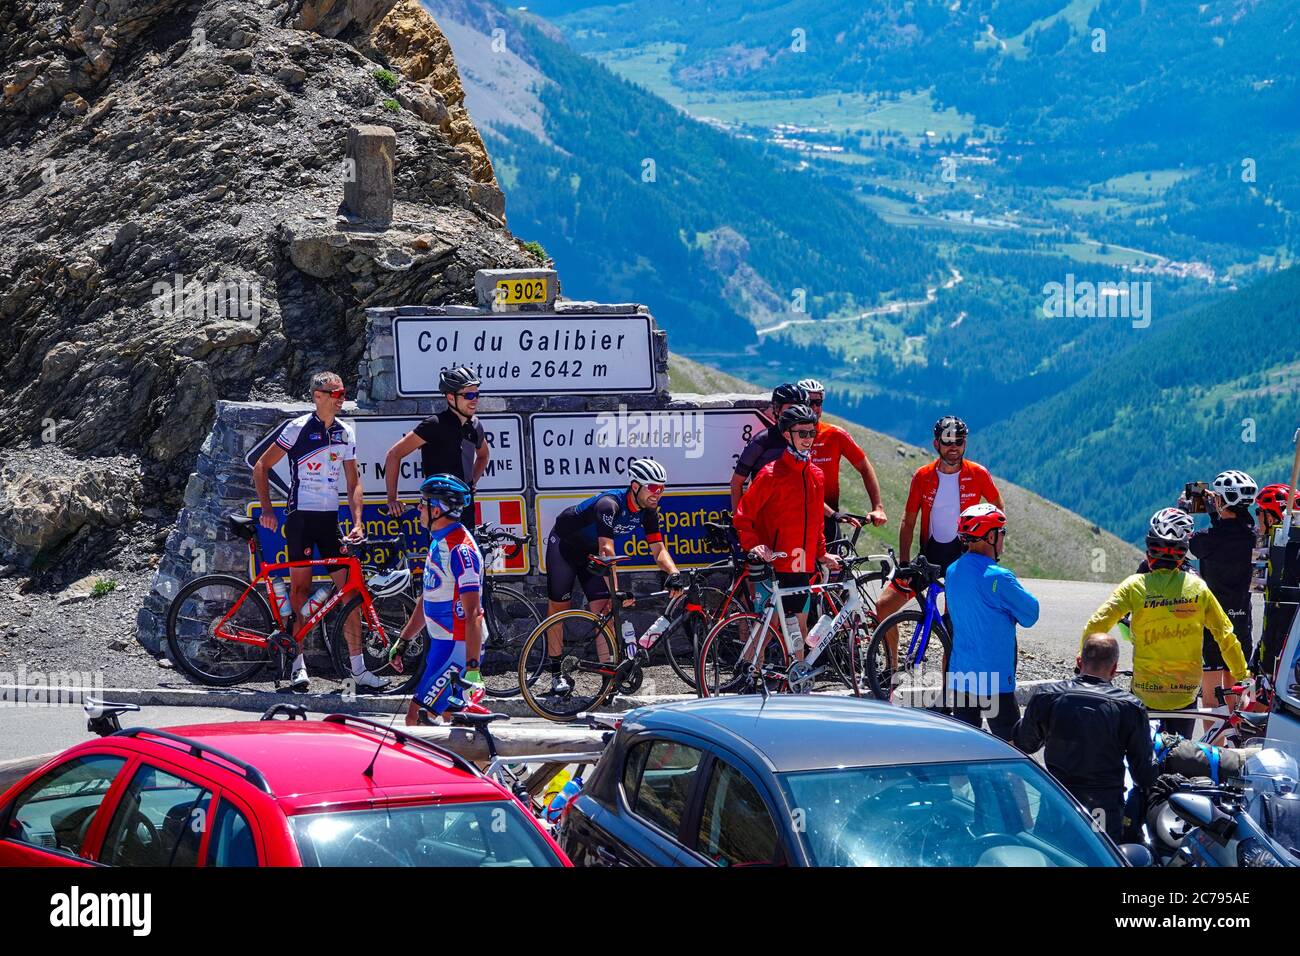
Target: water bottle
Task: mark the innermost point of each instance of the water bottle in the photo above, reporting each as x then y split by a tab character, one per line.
280	587
657	628
820	630
316	602
629	637
555	809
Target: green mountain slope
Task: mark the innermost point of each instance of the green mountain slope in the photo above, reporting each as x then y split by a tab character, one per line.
1220	390
634	200
1045	540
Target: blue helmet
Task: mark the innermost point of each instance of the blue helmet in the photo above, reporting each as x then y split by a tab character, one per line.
447	492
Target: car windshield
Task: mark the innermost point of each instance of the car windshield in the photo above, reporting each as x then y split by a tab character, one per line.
494	833
1270	776
989	813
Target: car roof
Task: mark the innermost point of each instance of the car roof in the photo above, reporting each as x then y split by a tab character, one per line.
310	762
805	732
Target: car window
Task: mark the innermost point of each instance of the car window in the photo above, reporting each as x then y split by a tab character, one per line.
231	843
735	828
665	785
56	811
158	822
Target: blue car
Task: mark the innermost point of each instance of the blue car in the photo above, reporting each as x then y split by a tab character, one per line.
821	781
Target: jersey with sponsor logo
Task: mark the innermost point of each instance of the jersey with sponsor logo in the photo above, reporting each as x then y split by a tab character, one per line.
973	482
452	568
831	444
606	514
316	455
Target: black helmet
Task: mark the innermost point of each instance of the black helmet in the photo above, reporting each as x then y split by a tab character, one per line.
452	380
795	415
789	394
949	428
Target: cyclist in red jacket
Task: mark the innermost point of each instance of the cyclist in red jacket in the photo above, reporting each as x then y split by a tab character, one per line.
782	511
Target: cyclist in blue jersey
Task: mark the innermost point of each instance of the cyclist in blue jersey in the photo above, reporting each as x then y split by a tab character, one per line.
320	449
450	611
589	528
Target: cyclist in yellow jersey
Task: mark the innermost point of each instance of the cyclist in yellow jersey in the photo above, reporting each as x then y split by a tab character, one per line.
1171	609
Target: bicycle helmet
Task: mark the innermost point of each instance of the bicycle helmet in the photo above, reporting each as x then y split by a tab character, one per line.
1235	488
788	394
1272	499
1169	535
647	471
811	385
795	415
950	428
978	521
452	380
447	492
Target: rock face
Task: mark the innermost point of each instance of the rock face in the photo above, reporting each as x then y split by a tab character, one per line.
171	177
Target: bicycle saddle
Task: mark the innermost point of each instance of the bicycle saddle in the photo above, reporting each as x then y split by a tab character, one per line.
598	565
101	715
475	720
243	526
382	585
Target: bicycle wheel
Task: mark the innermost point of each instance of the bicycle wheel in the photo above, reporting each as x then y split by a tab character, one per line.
510	618
393	610
192	621
589	655
682	640
918	678
733	651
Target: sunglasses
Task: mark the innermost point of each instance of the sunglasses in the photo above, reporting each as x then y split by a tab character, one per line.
804	432
655	489
468	396
949	444
815	402
334	393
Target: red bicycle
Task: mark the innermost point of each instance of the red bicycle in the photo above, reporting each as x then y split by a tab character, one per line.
223	630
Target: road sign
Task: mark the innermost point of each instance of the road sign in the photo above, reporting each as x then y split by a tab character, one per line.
698	448
682	515
527	354
378	433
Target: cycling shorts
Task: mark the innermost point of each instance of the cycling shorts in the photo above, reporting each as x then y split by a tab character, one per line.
566	564
435	691
307	529
790	603
1242	625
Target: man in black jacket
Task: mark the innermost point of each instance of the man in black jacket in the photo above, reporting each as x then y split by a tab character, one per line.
1089	727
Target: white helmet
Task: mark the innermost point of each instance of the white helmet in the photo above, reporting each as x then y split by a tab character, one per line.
811	385
1235	487
647	471
1171	526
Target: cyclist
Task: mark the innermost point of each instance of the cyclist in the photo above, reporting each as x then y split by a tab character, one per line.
782	511
450	610
452	442
589	528
832	444
1170	609
1226	554
1270	507
986	602
319	446
939	492
769	444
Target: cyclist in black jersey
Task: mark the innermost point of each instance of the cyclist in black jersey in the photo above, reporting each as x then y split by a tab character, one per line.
589	528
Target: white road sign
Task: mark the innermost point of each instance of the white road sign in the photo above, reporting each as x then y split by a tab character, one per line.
591	450
528	354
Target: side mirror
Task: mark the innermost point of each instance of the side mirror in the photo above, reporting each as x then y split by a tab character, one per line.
1200	811
1136	854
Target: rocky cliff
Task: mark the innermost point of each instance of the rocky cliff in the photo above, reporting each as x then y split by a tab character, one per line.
171	232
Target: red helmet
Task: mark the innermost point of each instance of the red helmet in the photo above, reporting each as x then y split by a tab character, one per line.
978	520
1272	498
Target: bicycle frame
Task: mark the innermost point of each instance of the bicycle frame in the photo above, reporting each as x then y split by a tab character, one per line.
921	636
852	604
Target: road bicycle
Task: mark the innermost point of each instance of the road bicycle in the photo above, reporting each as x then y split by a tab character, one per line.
508	616
223	630
748	648
599	657
915	660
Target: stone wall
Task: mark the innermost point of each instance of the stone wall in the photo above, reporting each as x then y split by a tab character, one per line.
222	482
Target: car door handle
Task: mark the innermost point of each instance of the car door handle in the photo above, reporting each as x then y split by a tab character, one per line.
607	856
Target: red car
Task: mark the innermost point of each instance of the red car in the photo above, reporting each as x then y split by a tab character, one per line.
342	791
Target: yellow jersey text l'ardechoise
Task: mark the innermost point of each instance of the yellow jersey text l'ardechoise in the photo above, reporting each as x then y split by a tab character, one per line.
1170	612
